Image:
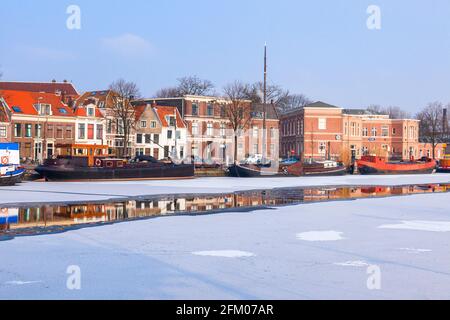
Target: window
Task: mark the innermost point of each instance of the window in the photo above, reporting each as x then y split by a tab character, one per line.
17	109
139	138
171	121
59	133
148	138
44	109
394	131
62	111
17	130
178	134
90	134
255	148
81	131
169	134
156	138
120	127
28	128
99	131
109	126
69	132
50	131
374	132
101	105
210	129
322	124
365	132
223	129
195	109
223	111
143	124
153	124
272	132
2	131
255	132
385	131
38	130
194	128
210	110
90	112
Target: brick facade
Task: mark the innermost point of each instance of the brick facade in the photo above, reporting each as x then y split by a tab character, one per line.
322	131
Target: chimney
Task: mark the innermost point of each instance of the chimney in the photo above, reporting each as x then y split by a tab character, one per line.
53	81
65	81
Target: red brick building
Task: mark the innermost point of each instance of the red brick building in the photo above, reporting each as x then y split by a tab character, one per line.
320	130
209	134
38	121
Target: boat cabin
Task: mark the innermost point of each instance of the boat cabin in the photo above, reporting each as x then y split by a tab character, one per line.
88	155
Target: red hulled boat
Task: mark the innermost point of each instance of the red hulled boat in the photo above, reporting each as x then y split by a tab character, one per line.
379	165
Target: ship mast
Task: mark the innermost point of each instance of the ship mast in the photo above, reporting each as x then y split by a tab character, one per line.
264	147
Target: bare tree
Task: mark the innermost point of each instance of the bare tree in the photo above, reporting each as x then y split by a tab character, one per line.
431	123
393	112
167	93
292	102
274	93
237	110
190	85
123	93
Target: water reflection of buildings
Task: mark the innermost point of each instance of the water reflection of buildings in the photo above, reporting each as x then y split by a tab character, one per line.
66	215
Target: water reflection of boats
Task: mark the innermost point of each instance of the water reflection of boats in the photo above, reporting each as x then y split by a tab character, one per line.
60	216
85	162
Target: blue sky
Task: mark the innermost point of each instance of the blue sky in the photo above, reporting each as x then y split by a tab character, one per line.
320	48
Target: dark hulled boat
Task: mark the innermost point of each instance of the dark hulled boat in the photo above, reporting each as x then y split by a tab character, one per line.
88	163
324	168
379	165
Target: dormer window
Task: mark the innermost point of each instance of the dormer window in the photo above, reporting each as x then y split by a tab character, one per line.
43	109
90	112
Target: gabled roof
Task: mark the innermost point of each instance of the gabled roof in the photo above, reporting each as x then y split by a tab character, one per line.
22	102
320	104
89	96
82	112
66	88
258	111
162	112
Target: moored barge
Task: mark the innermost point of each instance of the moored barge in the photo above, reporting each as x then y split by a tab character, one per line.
82	162
379	165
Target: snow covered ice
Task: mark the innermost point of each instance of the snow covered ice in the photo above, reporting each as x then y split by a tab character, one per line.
240	255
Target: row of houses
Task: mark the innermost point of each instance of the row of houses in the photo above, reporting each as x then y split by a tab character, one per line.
44	116
41	116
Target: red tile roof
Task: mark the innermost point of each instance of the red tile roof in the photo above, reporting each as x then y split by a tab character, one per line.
82	112
25	101
169	111
47	87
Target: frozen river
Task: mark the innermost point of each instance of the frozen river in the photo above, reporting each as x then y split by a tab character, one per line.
388	248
